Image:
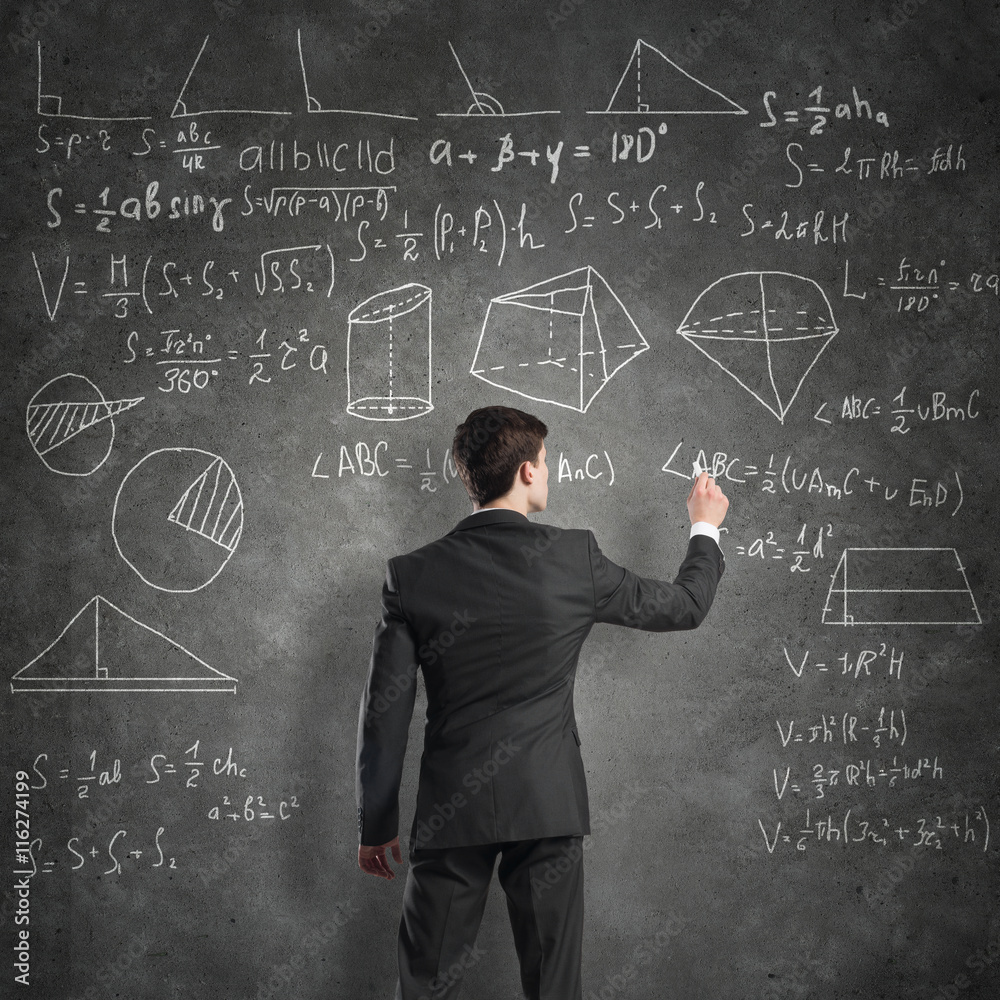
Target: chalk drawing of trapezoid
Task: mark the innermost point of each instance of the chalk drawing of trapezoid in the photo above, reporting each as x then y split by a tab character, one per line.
104	649
764	328
214	72
654	84
560	341
71	425
888	586
484	105
51	105
177	518
389	355
315	107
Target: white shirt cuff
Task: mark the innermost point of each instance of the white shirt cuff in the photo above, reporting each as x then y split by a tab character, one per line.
704	528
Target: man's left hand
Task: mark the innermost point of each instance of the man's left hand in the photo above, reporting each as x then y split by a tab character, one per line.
373	860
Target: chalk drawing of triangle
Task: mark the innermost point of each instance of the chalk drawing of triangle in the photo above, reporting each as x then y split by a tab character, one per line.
104	649
654	84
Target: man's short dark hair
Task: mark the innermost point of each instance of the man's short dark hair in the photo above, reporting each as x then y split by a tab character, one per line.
490	447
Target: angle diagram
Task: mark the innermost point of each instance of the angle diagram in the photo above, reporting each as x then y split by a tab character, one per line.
484	105
315	107
51	105
182	106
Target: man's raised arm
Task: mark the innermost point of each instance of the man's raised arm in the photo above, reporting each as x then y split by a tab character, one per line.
624	598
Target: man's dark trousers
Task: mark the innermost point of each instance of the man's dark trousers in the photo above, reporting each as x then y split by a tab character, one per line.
443	904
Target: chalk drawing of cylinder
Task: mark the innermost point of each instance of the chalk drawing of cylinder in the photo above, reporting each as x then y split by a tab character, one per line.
389	355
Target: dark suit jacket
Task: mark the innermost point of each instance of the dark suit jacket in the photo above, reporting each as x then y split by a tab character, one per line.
495	614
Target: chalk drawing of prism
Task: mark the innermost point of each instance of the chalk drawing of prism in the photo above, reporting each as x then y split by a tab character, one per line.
104	649
389	355
560	341
904	586
71	425
766	329
178	518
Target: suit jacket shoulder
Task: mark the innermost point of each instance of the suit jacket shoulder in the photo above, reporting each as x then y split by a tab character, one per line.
494	615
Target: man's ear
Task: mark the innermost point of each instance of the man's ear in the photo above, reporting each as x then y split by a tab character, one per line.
526	472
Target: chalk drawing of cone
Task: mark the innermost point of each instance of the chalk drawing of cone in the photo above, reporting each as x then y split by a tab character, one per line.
389	355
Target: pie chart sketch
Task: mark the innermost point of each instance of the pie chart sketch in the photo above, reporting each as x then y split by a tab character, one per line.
71	425
178	518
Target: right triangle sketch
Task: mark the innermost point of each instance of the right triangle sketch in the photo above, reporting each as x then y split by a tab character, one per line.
102	648
654	84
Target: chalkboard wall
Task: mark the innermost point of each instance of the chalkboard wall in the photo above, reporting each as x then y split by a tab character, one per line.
260	260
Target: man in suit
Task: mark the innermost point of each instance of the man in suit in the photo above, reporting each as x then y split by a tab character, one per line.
495	613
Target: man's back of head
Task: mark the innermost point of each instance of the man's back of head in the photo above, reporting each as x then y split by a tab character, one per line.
491	445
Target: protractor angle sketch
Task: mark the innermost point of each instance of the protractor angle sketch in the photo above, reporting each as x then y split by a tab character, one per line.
653	84
765	329
560	341
484	105
71	425
900	586
104	649
178	518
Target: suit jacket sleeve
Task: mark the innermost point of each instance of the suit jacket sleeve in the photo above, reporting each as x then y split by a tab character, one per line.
384	721
623	598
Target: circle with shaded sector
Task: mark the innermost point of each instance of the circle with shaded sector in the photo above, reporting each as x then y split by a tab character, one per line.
178	518
68	422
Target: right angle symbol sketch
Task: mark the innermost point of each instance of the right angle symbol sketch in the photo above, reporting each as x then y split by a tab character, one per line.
764	328
900	586
389	355
51	105
560	341
654	84
104	649
71	425
178	517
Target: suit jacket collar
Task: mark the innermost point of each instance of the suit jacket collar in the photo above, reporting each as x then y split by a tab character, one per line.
494	515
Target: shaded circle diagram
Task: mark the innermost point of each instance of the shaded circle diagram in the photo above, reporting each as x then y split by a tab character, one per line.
177	518
71	425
